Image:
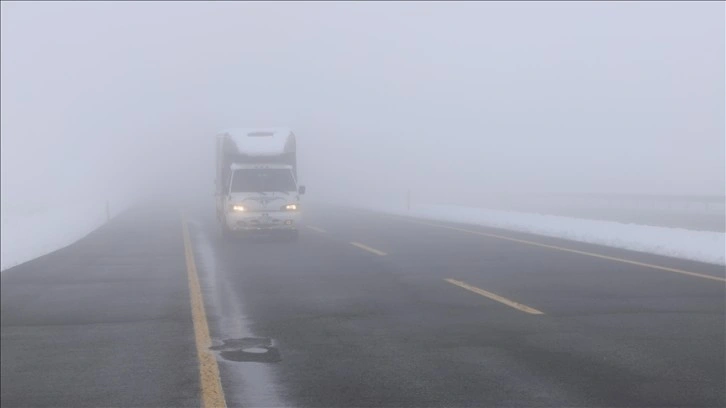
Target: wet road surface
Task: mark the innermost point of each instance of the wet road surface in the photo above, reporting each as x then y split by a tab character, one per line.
364	310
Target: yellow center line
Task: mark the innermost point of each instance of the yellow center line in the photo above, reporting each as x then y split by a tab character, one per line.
316	229
209	380
369	249
494	296
574	251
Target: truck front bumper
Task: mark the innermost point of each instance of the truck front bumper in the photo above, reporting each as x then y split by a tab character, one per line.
262	221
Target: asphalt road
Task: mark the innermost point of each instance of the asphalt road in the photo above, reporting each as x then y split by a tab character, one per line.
358	313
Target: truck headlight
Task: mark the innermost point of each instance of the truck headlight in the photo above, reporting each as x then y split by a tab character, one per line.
290	207
238	207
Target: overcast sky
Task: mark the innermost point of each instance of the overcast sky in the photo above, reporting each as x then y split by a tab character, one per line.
442	98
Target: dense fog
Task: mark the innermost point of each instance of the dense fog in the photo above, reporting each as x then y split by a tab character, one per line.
120	99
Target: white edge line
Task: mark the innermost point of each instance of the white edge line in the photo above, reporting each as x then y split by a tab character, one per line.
369	249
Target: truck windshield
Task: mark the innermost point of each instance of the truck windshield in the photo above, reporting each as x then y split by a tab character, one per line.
249	180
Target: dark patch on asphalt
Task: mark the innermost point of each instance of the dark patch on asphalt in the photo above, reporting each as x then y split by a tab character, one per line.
249	349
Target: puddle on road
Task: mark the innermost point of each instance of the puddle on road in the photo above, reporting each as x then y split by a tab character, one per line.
254	349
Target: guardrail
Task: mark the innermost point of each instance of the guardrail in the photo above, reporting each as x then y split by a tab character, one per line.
619	196
711	204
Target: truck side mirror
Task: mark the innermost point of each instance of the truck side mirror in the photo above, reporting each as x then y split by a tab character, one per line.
301	189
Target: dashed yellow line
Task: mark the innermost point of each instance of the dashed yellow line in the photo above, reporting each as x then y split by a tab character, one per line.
494	296
369	249
316	229
209	380
574	251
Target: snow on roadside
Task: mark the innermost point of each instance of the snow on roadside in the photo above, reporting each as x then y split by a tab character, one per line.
28	232
703	246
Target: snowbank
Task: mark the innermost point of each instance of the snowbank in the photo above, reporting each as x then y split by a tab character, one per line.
28	232
704	246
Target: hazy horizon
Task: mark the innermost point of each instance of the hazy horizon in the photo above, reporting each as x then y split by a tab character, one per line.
439	98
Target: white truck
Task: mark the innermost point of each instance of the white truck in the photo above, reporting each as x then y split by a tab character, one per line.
256	184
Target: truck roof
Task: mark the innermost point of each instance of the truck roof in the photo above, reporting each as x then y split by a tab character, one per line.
261	141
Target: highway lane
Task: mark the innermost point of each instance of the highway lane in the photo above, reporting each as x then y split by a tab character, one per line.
358	312
360	329
103	322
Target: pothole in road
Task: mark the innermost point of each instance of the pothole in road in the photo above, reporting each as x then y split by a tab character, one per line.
256	349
